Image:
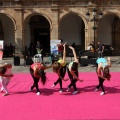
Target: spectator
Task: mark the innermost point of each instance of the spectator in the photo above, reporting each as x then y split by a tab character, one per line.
10	50
60	48
111	49
39	49
100	49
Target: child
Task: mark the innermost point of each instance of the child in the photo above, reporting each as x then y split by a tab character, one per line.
59	68
5	75
102	72
73	72
37	73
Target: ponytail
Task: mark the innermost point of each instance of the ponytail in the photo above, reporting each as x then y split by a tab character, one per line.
2	70
43	76
106	73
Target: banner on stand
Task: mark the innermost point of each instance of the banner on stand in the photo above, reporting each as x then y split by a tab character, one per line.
54	47
1	49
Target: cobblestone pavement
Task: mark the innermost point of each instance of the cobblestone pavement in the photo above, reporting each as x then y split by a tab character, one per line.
115	60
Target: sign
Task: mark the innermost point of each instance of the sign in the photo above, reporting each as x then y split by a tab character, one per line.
54	47
1	49
1	44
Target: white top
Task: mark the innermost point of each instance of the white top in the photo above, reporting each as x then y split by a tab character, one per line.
89	47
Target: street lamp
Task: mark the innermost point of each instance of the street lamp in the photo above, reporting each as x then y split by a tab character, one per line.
94	19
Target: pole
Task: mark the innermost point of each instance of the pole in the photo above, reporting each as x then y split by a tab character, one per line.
94	34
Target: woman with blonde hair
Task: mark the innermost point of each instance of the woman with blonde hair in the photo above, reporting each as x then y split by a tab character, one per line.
59	68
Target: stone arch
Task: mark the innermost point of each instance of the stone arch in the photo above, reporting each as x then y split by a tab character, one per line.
34	33
33	14
79	35
107	30
12	19
7	33
78	14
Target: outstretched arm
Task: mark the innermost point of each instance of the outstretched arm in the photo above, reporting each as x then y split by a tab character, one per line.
11	75
64	51
47	67
74	53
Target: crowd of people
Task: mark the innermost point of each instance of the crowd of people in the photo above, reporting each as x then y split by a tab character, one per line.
101	49
37	71
8	50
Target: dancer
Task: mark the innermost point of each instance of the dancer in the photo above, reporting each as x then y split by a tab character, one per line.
37	73
102	70
5	76
73	72
59	68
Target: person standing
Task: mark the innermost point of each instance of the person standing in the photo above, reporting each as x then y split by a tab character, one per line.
60	48
100	49
39	49
111	50
10	50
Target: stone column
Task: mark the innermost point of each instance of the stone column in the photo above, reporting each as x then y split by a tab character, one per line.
92	33
18	31
55	22
86	39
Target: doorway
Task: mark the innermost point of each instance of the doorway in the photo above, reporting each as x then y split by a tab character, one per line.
40	31
43	36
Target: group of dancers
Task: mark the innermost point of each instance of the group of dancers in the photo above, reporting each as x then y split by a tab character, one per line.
37	71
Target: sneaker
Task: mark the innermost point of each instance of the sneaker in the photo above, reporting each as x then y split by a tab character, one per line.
5	94
53	86
38	93
96	89
68	89
75	92
102	93
60	91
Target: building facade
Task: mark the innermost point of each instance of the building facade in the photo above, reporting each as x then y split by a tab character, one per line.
24	22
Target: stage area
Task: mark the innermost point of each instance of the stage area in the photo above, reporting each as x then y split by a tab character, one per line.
22	104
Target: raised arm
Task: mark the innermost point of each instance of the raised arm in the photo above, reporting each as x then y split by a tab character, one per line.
64	51
74	53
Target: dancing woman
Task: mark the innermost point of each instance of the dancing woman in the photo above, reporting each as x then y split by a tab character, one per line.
59	68
103	72
5	76
73	72
37	73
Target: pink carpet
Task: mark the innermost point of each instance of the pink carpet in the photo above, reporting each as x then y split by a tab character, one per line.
51	105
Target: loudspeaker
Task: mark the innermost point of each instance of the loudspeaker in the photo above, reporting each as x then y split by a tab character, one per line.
29	61
83	62
16	60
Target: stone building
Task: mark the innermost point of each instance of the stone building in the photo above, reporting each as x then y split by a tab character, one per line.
26	21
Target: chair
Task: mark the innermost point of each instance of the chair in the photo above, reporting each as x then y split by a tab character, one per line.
37	58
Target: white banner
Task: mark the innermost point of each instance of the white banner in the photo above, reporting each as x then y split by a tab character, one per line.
1	44
54	47
1	49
